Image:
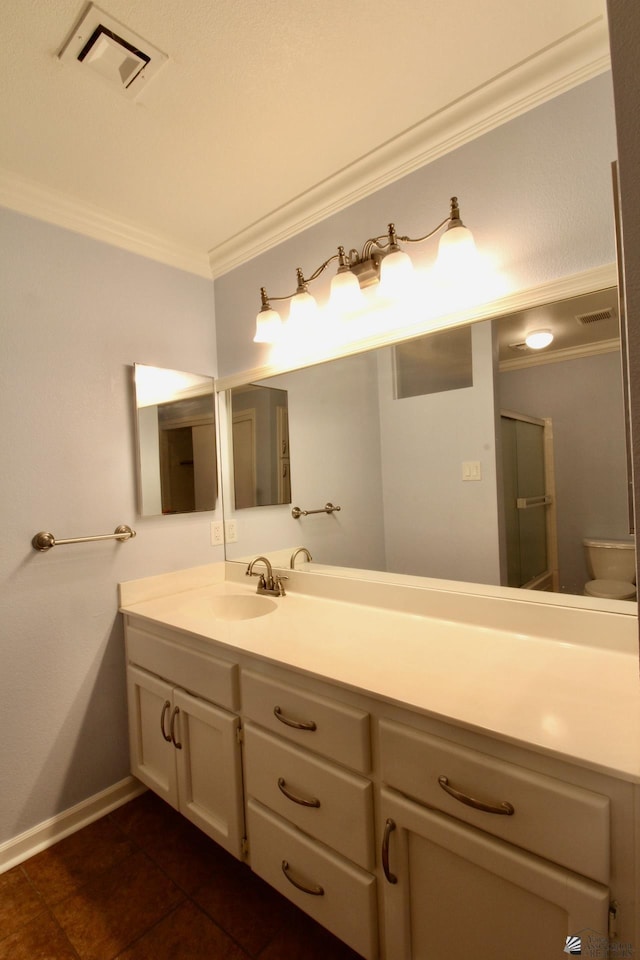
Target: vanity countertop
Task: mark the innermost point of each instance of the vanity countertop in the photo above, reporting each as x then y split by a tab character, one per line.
571	691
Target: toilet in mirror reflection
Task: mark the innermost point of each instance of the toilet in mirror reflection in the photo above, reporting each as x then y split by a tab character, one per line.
611	565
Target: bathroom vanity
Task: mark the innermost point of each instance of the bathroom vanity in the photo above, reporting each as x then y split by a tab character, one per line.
427	772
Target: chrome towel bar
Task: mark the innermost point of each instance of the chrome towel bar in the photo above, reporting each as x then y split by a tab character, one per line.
44	541
296	513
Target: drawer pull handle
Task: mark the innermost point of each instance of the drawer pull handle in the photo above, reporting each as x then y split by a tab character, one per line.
296	724
316	891
172	728
282	787
389	827
165	706
504	808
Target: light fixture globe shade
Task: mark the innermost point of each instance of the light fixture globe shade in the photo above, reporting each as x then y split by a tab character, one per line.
538	339
303	309
456	248
396	274
268	327
346	295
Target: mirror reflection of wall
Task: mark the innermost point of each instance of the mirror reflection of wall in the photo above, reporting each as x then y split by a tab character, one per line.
176	441
260	442
419	479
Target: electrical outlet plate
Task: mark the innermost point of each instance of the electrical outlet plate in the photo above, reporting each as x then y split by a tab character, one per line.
217	533
231	531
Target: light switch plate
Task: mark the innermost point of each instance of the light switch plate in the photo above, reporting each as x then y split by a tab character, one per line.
471	470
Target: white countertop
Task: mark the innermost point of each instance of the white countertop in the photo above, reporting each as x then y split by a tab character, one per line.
573	693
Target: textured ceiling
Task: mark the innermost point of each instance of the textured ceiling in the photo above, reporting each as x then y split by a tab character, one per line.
263	105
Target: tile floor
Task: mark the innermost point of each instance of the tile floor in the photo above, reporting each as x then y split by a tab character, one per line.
144	884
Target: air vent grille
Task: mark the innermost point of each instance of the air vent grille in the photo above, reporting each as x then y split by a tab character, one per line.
585	319
106	48
518	347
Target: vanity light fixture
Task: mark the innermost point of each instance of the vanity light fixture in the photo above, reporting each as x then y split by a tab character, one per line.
538	339
381	260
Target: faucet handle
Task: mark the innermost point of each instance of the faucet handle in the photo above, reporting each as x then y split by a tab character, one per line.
279	585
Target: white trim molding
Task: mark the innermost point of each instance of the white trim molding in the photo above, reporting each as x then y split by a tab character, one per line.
574	59
43	835
558	356
34	200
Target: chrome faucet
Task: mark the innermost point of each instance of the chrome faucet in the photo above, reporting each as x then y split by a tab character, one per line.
292	562
269	584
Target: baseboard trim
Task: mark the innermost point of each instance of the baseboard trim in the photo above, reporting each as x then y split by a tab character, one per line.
45	834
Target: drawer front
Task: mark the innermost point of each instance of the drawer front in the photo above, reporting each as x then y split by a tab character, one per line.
336	893
558	821
324	800
208	677
317	723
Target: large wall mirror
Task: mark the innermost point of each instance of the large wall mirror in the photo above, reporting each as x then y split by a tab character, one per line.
462	455
176	441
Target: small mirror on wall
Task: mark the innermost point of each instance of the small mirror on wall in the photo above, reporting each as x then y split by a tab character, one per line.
261	457
176	435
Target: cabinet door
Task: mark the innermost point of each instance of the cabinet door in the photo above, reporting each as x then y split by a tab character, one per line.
209	769
461	893
152	752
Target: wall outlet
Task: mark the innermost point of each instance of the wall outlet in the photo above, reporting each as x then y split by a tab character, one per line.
217	533
231	531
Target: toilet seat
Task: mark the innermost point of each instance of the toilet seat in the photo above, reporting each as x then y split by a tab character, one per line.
610	589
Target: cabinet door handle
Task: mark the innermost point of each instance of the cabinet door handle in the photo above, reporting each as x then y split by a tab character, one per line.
505	809
316	891
165	706
172	728
389	827
282	787
296	724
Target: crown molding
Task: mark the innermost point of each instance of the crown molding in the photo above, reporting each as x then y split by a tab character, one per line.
34	200
571	61
558	356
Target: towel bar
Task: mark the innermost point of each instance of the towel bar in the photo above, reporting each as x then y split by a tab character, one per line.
44	541
296	513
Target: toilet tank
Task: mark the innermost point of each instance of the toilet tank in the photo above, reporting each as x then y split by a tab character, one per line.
611	559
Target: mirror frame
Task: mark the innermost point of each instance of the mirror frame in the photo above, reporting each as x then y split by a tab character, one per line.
589	281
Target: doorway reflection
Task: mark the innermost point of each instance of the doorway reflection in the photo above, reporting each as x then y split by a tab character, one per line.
261	456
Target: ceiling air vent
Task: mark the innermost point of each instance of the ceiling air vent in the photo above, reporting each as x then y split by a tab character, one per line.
586	319
519	347
109	49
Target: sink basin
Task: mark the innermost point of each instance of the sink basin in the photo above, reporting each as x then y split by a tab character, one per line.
241	607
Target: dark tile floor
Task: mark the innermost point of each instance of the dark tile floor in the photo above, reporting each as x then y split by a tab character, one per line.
144	884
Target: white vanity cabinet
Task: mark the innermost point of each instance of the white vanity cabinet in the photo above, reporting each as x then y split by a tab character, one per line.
309	808
182	746
484	858
410	836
